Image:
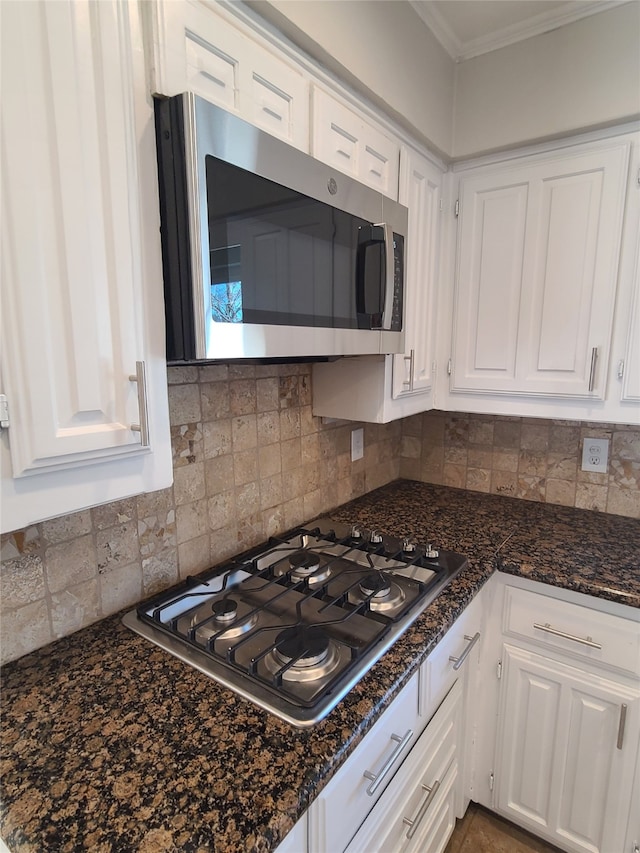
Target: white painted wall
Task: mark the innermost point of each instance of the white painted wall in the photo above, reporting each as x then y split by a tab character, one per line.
580	76
382	48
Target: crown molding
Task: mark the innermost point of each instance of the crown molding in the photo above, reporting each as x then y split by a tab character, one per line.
459	51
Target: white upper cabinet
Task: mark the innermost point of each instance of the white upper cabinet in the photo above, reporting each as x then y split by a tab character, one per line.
203	50
380	389
345	140
83	339
420	184
537	266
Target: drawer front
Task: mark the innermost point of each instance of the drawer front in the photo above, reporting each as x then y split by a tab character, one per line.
439	672
579	632
419	805
342	806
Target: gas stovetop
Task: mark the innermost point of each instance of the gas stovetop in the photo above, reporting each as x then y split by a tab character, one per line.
293	624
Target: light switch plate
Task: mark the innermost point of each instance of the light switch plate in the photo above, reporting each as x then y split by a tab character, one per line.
357	444
595	455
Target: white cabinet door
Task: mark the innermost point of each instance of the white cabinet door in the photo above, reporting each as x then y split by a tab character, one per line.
420	183
567	745
82	279
537	265
630	367
386	388
346	141
207	51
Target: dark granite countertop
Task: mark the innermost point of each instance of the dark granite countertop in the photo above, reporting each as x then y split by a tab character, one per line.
110	744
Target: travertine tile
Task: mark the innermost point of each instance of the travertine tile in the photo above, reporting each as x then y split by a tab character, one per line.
242	397
532	463
181	375
122	587
155	503
478	480
291	454
245	466
623	501
454	475
192	521
20	543
74	607
219	476
157	532
187	444
189	483
159	571
244	432
194	556
269	460
24	630
213	373
21	582
214	397
268	394
69	563
184	404
221	510
113	514
561	492
217	438
535	437
589	496
289	424
117	546
66	527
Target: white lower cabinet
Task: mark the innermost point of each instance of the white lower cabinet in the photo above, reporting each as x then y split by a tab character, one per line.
418	809
567	719
406	783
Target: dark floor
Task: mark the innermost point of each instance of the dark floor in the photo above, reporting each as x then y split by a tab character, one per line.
481	831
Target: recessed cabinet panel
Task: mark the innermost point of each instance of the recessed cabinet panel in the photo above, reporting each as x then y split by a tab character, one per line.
567	745
344	140
230	68
538	254
631	370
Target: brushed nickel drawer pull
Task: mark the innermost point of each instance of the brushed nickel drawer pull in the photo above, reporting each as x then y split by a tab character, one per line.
140	377
376	778
621	725
557	633
457	662
592	372
413	824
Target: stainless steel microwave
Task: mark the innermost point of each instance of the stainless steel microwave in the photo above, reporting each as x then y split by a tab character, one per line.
268	253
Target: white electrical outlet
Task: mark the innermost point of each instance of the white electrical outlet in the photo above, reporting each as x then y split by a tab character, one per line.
357	444
595	455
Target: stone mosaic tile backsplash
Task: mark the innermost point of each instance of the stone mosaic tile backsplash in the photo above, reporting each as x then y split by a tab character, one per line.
250	460
534	459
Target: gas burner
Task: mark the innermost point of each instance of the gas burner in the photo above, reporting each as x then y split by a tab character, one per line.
305	565
305	653
380	591
225	612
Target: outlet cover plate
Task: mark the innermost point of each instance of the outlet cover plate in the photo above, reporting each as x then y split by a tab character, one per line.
595	455
357	444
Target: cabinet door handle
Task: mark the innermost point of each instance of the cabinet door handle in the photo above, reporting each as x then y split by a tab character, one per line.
457	662
376	778
621	725
409	358
413	824
592	371
557	633
140	377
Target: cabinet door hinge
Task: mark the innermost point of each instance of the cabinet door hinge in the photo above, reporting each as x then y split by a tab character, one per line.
449	367
621	368
4	412
491	780
499	670
457	207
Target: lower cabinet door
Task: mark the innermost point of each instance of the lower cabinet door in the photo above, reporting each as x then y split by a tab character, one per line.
417	811
567	747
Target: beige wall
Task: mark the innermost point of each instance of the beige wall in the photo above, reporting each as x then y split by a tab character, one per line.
382	48
582	75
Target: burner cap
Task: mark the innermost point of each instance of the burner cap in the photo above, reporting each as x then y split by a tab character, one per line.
305	646
304	562
225	609
376	584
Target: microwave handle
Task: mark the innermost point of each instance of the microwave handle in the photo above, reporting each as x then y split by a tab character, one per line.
389	289
378	234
